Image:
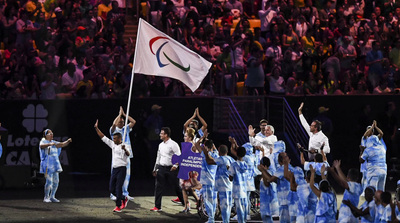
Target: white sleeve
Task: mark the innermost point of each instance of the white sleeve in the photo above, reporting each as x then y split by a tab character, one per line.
305	125
176	149
108	141
327	148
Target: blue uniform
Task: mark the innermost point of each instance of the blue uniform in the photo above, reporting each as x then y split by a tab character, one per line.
224	186
50	165
269	205
353	195
326	208
238	171
378	213
317	166
283	188
207	179
307	203
370	218
375	156
386	215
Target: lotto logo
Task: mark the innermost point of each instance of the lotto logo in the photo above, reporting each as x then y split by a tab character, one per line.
35	118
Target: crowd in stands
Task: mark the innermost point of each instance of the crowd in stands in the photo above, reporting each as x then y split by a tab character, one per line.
75	49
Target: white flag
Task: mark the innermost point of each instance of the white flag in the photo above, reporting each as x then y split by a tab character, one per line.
160	55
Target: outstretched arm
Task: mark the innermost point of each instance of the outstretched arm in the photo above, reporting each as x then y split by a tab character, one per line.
337	176
64	144
303	120
99	133
203	122
356	212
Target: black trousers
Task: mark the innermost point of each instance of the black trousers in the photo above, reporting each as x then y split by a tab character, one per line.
116	182
164	175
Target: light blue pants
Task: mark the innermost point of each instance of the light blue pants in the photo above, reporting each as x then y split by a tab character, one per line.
225	203
51	186
284	216
127	179
210	201
241	209
378	181
266	219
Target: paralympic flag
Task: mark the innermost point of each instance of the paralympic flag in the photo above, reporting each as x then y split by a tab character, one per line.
160	55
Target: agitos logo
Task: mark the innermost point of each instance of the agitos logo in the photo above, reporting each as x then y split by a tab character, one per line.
158	52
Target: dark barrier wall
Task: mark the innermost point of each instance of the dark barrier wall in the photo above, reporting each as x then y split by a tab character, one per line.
26	120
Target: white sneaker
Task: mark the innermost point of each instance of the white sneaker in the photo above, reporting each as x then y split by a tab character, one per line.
112	197
248	217
234	218
55	200
130	198
46	200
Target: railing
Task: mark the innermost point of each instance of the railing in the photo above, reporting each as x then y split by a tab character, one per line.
236	126
293	129
278	112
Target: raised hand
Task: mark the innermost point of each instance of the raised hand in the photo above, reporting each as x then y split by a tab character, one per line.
301	107
96	124
251	131
336	164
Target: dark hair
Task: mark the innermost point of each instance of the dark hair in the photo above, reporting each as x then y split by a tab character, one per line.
241	152
324	186
386	197
209	143
265	161
353	174
117	134
166	130
319	158
223	149
263	121
318	125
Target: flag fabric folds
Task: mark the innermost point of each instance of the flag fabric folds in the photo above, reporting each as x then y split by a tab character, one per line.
160	55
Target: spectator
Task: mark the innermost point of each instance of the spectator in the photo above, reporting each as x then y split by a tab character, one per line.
48	88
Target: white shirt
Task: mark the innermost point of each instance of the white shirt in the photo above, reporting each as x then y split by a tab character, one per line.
316	139
119	157
266	142
165	152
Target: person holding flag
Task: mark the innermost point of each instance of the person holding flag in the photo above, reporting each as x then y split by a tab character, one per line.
118	127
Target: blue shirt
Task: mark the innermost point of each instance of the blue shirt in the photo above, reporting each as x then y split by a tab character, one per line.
283	186
370	218
49	161
207	176
326	207
375	156
353	195
238	171
222	182
268	202
251	162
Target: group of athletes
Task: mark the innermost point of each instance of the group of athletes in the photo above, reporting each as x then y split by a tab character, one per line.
228	175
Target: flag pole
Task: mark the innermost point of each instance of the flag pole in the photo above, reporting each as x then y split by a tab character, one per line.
131	86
